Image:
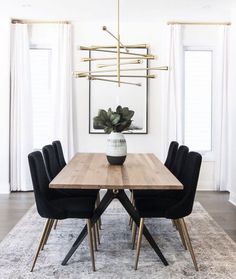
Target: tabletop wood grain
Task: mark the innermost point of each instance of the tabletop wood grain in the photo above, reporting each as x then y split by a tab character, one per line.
92	171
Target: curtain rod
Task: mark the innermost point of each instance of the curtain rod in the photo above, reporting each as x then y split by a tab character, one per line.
28	21
198	23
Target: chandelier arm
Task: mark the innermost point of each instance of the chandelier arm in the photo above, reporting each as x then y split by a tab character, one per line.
87	59
139	61
126	76
116	81
113	51
162	68
104	28
122	46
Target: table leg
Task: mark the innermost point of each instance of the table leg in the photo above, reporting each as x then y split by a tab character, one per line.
108	197
106	200
122	197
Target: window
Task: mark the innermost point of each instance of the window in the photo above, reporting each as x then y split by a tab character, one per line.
40	62
198	99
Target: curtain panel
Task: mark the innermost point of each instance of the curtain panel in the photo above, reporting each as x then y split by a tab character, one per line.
173	99
21	136
62	90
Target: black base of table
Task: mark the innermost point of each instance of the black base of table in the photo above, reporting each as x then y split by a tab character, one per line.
124	200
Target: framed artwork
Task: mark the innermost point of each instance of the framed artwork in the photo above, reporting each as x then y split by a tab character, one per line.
105	95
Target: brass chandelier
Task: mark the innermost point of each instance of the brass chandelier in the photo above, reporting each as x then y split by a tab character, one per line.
121	56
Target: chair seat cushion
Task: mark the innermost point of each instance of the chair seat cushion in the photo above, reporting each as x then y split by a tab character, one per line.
158	193
155	207
72	193
75	207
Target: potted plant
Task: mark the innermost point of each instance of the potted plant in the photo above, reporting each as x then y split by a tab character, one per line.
114	123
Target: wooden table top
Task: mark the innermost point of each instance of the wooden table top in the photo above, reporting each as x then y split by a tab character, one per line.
92	171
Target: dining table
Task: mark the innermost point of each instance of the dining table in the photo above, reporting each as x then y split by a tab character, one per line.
140	171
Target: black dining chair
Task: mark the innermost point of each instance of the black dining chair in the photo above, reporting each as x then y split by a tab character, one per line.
174	207
59	153
174	162
53	168
170	159
173	147
176	167
62	163
53	208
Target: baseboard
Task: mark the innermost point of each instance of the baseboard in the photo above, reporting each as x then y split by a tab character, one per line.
232	198
4	192
206	189
4	188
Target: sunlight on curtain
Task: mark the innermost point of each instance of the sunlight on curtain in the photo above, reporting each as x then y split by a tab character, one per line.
21	110
62	90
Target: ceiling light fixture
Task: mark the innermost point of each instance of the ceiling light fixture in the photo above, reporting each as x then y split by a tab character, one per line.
122	52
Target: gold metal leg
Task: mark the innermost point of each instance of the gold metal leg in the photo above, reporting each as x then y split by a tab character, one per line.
40	243
99	220
132	201
134	232
97	232
140	233
174	223
188	242
179	228
90	240
47	232
55	224
94	237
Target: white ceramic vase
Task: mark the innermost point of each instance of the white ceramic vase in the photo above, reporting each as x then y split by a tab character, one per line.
116	148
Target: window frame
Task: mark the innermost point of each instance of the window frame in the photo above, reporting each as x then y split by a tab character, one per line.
207	155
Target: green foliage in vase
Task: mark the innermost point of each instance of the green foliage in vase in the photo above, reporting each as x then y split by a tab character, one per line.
113	121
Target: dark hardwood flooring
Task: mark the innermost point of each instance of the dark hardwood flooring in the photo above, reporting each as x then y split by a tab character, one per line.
14	206
222	211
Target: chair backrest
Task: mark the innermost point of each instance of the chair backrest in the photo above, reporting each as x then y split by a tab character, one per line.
180	158
40	183
171	154
52	165
189	180
59	153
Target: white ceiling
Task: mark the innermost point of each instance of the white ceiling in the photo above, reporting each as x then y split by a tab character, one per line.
131	10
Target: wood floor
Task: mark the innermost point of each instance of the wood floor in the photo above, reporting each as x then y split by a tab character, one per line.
14	206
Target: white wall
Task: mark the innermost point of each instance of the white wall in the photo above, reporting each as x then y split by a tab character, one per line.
148	25
88	34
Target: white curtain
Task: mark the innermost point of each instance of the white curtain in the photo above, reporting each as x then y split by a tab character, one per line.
222	127
21	110
173	108
62	90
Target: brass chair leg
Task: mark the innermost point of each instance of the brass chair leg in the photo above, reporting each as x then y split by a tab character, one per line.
97	203
47	233
94	237
140	233
40	243
97	232
132	201
90	240
173	223
55	224
179	228
188	242
134	232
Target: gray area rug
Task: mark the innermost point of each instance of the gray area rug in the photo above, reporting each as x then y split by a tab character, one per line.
215	251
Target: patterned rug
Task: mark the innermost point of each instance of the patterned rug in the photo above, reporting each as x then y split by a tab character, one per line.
214	249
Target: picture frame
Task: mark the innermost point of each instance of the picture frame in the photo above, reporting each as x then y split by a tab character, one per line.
105	95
